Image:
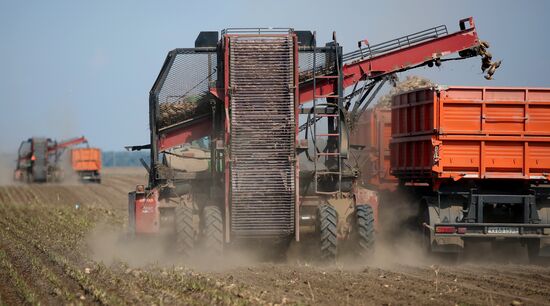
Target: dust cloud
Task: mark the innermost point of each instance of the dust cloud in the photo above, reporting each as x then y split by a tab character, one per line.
68	174
111	245
398	238
7	166
398	244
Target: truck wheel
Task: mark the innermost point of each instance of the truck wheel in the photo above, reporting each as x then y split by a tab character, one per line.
533	252
424	230
184	230
327	221
427	243
213	229
364	230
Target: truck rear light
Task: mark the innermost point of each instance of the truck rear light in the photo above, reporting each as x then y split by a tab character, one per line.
445	229
461	230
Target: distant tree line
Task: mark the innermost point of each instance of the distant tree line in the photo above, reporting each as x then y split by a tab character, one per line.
124	158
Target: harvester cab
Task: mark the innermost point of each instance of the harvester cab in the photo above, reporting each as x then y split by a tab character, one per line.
274	108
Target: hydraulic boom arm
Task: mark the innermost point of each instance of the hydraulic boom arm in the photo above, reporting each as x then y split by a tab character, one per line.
408	52
68	143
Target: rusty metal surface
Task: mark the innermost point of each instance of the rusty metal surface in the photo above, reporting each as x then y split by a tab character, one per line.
262	136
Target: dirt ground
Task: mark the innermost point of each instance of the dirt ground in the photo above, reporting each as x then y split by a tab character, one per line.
61	244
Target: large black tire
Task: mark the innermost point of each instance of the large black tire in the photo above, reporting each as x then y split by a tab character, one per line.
327	219
364	230
424	219
213	230
185	234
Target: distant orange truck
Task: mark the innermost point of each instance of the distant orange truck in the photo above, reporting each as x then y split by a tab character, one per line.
87	163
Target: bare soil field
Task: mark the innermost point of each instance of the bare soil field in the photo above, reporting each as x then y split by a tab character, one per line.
60	244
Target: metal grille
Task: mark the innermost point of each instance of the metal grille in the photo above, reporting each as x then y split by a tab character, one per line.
184	90
324	62
262	136
189	75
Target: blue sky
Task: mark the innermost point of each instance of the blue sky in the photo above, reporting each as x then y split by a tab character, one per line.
70	68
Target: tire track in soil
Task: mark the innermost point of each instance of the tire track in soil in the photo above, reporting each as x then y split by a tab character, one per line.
45	281
22	292
9	197
9	291
26	232
147	282
528	284
396	285
479	283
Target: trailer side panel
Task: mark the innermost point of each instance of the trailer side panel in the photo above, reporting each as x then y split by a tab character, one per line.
471	132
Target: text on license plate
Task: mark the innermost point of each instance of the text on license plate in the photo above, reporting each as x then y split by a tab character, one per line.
502	230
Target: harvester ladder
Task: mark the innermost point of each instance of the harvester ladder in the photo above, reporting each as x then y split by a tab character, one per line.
331	112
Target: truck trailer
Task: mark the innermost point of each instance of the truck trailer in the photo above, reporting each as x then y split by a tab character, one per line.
86	162
477	160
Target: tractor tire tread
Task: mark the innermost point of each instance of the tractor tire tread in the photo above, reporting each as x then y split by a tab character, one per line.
184	230
213	230
328	221
365	230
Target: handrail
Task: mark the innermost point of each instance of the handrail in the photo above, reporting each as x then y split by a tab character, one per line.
257	31
397	43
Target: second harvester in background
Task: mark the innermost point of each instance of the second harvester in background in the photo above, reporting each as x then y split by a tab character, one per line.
40	160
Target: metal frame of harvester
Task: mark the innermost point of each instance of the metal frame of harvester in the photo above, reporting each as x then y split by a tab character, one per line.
278	115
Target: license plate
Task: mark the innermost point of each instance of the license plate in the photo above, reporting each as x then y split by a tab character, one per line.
502	230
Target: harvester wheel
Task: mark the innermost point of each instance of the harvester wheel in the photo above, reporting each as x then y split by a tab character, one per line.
184	230
213	229
364	230
327	222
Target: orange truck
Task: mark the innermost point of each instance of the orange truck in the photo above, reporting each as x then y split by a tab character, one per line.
477	160
474	162
86	162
